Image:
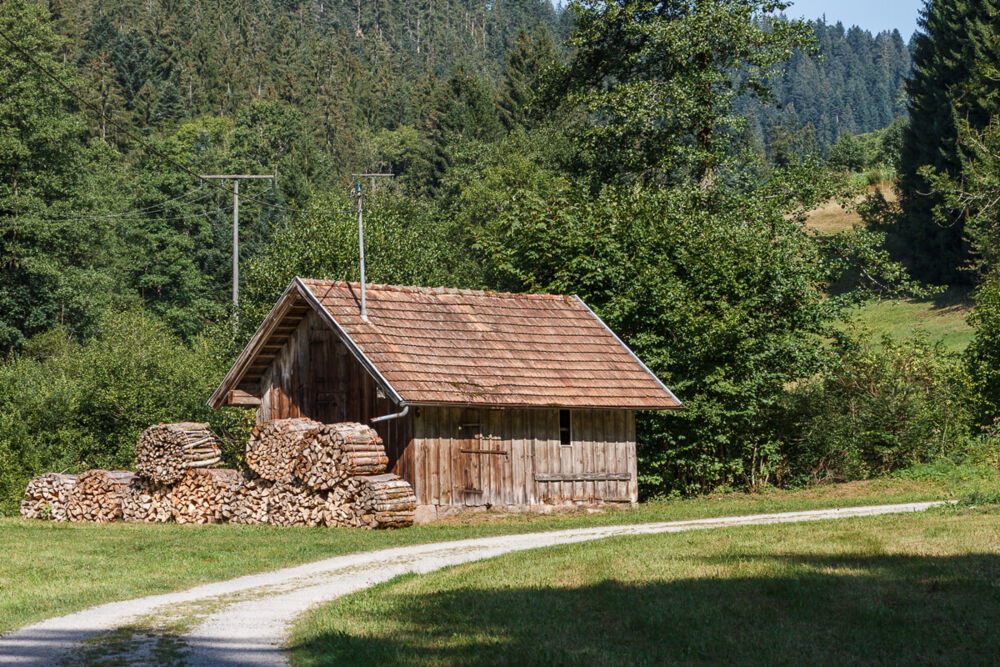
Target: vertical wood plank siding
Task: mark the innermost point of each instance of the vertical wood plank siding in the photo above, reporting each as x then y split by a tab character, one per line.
483	456
454	455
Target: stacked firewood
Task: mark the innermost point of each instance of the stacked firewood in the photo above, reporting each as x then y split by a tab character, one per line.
147	500
46	496
302	473
97	495
274	447
385	501
166	451
201	495
376	501
334	452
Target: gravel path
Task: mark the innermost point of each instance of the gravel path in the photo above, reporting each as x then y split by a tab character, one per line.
244	621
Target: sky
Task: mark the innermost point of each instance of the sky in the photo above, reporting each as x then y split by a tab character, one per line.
873	15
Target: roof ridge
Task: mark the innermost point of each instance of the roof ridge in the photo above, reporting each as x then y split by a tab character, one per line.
417	289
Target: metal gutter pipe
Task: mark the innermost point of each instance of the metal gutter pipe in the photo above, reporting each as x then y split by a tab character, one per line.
394	415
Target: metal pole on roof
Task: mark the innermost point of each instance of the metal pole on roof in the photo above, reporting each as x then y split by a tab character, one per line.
361	237
361	252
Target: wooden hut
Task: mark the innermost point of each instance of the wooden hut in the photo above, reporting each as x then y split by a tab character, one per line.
481	398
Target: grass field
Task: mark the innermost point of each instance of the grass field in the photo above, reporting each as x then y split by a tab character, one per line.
905	589
944	319
50	569
832	218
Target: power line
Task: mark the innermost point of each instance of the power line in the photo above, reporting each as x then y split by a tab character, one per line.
125	214
111	121
289	209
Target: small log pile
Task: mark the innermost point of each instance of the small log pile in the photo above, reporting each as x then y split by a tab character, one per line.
377	501
166	451
148	501
97	495
248	500
201	496
274	447
46	496
333	452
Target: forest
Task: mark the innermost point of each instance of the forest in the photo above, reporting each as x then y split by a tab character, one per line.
658	159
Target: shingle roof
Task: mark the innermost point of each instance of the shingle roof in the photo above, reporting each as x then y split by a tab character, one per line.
468	347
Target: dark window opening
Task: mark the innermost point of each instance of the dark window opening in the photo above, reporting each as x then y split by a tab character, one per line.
565	434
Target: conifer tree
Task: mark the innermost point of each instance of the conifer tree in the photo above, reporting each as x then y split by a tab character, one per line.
522	74
949	86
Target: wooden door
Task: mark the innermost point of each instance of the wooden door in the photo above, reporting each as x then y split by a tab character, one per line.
467	440
484	456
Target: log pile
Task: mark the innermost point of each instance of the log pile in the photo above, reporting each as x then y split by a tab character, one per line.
378	501
97	495
148	501
275	446
46	496
201	495
333	452
302	473
166	451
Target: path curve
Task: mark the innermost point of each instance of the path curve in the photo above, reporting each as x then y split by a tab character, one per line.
245	621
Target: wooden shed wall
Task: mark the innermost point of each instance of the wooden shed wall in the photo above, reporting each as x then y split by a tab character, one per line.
483	456
316	376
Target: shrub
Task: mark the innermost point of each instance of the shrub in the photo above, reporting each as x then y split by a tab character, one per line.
72	406
880	406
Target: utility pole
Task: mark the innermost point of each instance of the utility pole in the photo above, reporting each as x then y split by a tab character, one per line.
361	236
236	178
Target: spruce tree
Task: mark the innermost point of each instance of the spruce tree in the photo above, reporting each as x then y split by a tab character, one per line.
949	86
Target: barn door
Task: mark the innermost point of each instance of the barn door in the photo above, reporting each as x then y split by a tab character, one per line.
467	439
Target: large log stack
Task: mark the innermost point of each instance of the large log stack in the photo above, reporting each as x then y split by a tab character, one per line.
46	496
166	451
97	495
274	447
302	473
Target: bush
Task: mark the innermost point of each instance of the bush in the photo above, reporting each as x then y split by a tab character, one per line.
68	406
880	406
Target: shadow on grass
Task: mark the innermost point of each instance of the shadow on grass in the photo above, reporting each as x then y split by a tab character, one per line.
813	610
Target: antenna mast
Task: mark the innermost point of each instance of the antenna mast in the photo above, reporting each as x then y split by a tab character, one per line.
361	236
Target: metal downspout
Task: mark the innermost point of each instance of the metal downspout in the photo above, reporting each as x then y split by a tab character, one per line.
393	415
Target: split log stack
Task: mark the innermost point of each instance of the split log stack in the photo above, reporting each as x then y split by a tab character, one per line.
46	496
201	496
166	451
148	501
257	500
97	495
334	452
376	501
274	447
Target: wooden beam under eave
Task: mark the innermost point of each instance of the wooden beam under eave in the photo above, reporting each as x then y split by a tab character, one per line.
242	399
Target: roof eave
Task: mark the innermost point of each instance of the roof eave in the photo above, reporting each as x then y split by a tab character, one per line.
239	367
355	349
633	355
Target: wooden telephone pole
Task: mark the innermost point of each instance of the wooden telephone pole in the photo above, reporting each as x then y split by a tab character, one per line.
236	178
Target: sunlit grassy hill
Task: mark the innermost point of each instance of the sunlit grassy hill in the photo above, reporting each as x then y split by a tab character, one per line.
943	318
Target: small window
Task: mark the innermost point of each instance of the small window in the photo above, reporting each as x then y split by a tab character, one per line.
565	433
